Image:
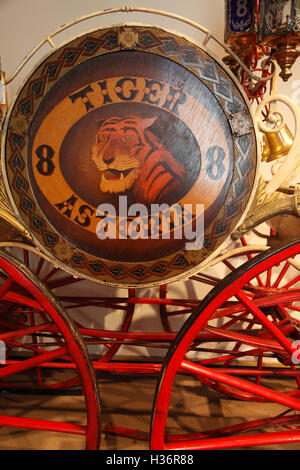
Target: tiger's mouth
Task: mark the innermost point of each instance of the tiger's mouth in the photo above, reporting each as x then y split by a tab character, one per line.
118	181
116	175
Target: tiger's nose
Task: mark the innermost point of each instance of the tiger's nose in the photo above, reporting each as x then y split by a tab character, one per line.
108	160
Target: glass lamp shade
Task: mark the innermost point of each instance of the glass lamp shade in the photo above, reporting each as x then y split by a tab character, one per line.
279	28
240	26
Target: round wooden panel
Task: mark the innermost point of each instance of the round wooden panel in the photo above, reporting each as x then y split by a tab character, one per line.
130	154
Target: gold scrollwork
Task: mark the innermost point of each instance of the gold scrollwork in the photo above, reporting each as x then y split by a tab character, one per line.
277	121
7	215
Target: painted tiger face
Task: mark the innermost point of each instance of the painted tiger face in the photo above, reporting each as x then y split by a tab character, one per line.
119	152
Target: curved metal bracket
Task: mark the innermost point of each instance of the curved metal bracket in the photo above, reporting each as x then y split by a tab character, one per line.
289	204
129	9
292	160
7	215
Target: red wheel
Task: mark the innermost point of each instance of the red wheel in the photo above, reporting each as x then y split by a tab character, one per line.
118	311
38	335
85	302
252	314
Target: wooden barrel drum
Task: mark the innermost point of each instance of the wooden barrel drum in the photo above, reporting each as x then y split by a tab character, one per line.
130	154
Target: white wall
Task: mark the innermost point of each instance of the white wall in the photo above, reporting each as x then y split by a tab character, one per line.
24	23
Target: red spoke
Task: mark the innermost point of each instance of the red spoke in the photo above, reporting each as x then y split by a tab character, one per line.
42	425
238	441
39	266
65	281
21	299
281	274
238	345
259	367
50	274
232	268
292	282
12	335
293	307
267	344
49	365
121	367
260	372
180	312
242	427
32	362
269	277
249	256
35	339
30	346
65	384
282	310
205	280
266	301
3	276
5	287
11	326
113	302
26	257
265	322
241	384
229	357
237	318
147	336
87	303
228	264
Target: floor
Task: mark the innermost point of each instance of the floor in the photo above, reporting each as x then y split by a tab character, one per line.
127	402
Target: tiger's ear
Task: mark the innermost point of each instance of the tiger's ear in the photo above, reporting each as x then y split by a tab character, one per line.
147	122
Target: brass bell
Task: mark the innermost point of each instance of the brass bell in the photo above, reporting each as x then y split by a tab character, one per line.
276	144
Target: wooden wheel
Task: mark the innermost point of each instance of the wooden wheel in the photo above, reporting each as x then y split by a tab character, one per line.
38	335
252	314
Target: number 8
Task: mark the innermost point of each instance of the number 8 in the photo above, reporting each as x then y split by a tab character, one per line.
241	8
45	165
216	168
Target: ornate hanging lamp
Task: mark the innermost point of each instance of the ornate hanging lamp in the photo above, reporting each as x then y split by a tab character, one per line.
254	28
241	28
279	28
